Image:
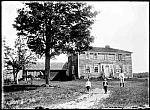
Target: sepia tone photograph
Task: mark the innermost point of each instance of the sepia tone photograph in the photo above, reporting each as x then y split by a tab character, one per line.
75	55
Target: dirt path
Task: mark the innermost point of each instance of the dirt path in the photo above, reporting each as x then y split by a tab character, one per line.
84	101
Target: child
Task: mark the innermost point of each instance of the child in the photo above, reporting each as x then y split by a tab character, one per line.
121	76
105	84
88	85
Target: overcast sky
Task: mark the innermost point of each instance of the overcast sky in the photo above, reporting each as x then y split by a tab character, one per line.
122	25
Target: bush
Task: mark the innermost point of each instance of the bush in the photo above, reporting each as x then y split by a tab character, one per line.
82	77
7	81
100	78
140	75
39	107
41	76
21	79
96	79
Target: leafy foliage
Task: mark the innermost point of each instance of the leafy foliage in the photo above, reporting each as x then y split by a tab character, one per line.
18	58
141	75
53	28
62	27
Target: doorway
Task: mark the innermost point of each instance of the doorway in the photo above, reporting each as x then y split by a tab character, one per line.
106	71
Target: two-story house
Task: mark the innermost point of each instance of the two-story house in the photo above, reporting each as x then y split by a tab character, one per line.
98	61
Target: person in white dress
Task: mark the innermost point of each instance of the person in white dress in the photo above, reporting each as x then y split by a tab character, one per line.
121	76
88	85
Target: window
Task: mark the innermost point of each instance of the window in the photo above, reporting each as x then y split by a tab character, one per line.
116	57
91	55
102	68
111	57
101	56
95	55
87	56
119	57
105	57
127	54
96	68
123	57
87	68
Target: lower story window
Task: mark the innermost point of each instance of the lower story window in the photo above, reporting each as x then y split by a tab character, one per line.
87	69
96	68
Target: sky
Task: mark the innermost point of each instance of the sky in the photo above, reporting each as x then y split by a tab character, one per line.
121	25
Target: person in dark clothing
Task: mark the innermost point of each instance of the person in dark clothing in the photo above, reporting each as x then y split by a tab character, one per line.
105	84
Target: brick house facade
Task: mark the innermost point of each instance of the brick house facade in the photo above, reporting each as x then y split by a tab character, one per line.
98	61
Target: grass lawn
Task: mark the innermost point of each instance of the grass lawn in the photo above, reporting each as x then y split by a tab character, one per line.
135	93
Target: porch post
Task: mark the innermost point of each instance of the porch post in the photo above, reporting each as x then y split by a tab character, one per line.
78	67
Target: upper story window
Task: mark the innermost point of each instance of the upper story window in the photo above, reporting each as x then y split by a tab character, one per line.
105	57
101	56
128	57
91	55
127	54
111	57
119	57
123	57
95	55
87	55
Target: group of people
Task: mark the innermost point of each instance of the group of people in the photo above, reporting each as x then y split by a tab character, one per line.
105	83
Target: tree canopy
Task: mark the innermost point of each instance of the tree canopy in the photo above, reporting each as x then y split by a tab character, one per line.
53	28
62	26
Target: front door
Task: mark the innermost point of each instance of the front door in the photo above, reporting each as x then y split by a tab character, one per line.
106	71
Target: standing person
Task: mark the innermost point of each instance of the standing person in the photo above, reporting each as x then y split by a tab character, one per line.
105	84
88	85
121	76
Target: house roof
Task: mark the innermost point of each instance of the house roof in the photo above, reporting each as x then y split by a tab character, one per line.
41	66
107	49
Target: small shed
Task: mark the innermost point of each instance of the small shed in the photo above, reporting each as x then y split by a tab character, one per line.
57	71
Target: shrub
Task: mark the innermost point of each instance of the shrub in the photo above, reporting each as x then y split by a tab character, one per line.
82	77
7	81
41	76
140	75
39	107
100	78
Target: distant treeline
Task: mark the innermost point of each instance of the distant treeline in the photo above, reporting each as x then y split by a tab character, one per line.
141	75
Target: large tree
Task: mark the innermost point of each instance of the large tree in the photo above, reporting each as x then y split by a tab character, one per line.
53	28
19	57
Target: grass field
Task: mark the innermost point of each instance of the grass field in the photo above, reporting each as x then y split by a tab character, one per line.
135	93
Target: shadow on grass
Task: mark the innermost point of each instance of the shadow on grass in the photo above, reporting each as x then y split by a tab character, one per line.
15	87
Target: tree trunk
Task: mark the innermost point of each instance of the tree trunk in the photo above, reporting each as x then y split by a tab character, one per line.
47	67
24	73
14	75
15	78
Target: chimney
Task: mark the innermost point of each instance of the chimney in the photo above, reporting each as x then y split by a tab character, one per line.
107	46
